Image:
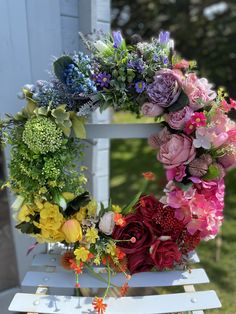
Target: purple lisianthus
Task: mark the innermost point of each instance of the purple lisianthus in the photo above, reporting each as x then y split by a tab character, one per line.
140	87
103	79
117	36
164	38
165	89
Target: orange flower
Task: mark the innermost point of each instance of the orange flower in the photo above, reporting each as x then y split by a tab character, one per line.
150	176
119	220
124	289
99	306
119	253
78	269
65	259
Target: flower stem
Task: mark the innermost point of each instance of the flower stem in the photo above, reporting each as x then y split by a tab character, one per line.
98	276
108	281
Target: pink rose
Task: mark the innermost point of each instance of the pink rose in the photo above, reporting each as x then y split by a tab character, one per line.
155	140
177	151
177	173
228	160
151	110
198	89
178	119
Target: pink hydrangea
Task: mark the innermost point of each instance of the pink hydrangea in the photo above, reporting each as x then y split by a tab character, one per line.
198	90
201	206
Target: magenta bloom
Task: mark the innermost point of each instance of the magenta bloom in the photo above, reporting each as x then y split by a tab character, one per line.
165	89
179	150
177	173
197	119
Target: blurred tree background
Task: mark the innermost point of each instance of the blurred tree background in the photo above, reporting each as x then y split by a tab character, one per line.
202	30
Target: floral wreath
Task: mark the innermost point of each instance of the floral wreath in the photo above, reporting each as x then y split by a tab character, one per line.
196	145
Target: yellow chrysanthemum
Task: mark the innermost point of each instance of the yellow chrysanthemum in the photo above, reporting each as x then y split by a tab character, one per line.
92	235
24	213
81	254
111	248
116	208
92	208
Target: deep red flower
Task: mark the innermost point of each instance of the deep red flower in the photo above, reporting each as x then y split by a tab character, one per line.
134	228
140	262
147	206
165	254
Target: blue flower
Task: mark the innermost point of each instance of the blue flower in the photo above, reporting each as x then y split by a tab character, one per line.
140	87
164	38
117	39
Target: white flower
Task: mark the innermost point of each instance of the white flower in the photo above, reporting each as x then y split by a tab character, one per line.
107	224
202	139
100	46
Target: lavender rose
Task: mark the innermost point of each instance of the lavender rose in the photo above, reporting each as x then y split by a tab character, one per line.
165	89
177	120
178	150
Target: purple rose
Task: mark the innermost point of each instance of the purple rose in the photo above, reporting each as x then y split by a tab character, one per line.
165	89
151	110
178	119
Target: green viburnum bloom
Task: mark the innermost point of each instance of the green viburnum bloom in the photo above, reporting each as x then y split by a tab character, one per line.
42	135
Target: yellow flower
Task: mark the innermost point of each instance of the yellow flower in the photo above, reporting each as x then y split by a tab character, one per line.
92	235
68	196
72	231
111	248
50	217
24	213
92	208
97	260
81	254
116	208
38	204
81	214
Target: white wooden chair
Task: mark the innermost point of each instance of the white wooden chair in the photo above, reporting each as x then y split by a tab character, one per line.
48	288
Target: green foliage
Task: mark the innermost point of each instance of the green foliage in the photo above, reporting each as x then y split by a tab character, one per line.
181	102
36	175
42	135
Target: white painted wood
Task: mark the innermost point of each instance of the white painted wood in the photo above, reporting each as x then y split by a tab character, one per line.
147	279
104	10
70	36
44	35
132	305
69	8
132	130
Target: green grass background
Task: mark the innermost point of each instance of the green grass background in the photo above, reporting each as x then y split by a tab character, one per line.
129	158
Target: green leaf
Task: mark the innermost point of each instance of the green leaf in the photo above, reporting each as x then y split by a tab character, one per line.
27	227
128	208
78	126
183	186
60	65
212	173
75	205
181	102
